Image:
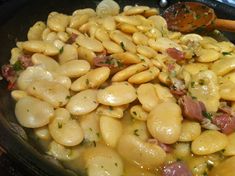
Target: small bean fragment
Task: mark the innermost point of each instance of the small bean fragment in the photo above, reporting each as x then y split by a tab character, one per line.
189	131
138	113
116	112
18	94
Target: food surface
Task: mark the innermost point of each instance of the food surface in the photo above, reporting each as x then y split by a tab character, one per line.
113	92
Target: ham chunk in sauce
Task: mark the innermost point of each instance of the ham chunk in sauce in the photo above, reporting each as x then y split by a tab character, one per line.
176	169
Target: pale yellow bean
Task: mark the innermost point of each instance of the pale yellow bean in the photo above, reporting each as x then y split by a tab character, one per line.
164	78
144	76
136	10
117	94
182	150
102	160
71	31
86	54
223	66
137	112
230	148
78	20
40	47
194	68
140	153
133	20
89	11
68	52
90	43
129	71
51	92
162	44
111	130
159	22
31	74
63	36
227	90
63	80
98	76
207	55
140	39
164	93
59	44
63	127
83	102
154	33
127	28
102	35
226	46
45	33
147	96
35	32
90	126
127	58
18	94
189	131
210	141
121	39
109	23
146	51
15	54
51	37
74	68
151	12
116	112
57	21
112	47
191	38
43	133
164	122
46	62
33	113
226	167
81	83
107	8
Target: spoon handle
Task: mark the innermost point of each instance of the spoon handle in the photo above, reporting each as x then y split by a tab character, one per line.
225	25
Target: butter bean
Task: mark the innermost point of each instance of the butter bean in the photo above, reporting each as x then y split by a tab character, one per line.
86	54
146	51
68	53
74	68
18	94
223	66
117	94
127	57
33	113
140	39
207	55
164	122
210	141
111	130
116	112
144	76
112	47
51	92
78	20
35	32
62	129
129	71
90	43
138	113
230	148
147	96
57	21
83	102
127	28
102	34
189	131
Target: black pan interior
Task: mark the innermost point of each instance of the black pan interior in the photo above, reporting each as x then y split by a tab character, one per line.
16	16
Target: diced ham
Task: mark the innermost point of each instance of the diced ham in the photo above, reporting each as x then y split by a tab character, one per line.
192	109
103	61
175	54
177	92
72	38
25	61
10	75
176	169
225	122
167	148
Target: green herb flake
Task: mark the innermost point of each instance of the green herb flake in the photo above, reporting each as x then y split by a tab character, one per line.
17	66
209	165
192	84
60	125
135	113
87	82
136	132
123	46
205	174
68	97
201	82
98	135
207	115
110	108
90	129
94	143
61	50
116	164
226	53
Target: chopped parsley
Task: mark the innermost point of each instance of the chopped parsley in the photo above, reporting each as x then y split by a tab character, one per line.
116	164
207	115
123	46
59	125
68	97
17	66
110	108
192	84
87	82
226	53
61	49
135	113
201	82
136	132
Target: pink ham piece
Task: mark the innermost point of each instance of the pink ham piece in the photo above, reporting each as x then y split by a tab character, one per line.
176	169
175	54
192	109
25	61
72	38
225	122
103	61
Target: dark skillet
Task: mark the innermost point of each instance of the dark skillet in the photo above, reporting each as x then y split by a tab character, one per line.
16	16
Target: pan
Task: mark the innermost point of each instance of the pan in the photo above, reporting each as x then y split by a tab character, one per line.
16	16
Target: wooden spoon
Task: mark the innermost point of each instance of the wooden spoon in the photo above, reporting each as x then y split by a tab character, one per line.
189	16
